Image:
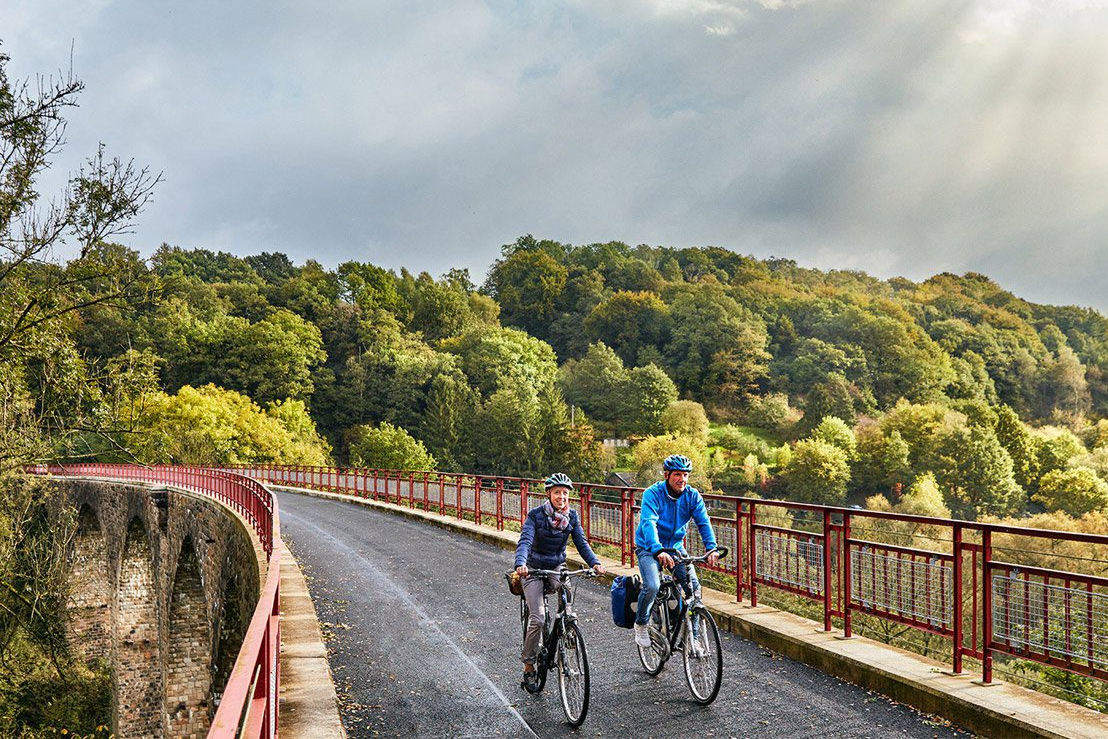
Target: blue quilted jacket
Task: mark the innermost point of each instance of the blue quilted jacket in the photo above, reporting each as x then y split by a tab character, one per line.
662	520
543	547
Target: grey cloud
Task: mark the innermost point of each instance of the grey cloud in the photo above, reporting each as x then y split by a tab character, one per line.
902	138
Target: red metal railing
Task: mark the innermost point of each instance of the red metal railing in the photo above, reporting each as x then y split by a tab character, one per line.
852	562
248	707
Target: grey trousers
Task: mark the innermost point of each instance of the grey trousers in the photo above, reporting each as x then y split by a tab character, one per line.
532	593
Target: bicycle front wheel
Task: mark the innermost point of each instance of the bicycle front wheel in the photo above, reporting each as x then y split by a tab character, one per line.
573	675
654	657
703	656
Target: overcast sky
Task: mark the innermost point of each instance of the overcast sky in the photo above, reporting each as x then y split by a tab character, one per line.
902	138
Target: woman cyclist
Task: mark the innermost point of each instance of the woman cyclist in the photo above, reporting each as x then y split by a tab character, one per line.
542	545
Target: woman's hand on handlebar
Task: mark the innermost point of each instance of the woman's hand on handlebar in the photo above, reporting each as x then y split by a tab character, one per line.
522	570
598	568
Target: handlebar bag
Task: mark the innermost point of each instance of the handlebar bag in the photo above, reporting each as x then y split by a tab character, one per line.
625	600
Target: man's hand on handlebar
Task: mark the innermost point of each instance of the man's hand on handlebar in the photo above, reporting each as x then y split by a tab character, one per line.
713	558
665	559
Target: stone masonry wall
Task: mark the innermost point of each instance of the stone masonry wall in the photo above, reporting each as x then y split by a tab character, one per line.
150	579
90	598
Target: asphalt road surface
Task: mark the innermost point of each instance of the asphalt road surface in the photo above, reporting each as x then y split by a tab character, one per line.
423	637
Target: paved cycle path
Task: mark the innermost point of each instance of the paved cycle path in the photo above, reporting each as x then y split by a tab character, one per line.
424	640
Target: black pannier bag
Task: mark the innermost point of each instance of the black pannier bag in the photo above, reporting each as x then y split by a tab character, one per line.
625	600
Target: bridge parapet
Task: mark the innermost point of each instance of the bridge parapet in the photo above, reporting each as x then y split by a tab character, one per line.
167	586
993	592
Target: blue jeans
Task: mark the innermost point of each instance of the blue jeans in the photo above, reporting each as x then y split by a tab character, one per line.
651	573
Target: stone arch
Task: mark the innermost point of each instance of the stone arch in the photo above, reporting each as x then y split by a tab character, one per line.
90	598
230	630
138	674
189	651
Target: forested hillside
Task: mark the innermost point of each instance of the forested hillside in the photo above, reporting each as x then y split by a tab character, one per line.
820	386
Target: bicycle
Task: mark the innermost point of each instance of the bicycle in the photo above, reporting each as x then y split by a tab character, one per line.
695	636
563	646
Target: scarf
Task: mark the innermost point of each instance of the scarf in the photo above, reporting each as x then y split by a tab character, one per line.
558	519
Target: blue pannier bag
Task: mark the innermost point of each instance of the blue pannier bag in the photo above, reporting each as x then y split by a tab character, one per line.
625	600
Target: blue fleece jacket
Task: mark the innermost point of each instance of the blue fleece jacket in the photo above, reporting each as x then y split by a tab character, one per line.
662	520
543	547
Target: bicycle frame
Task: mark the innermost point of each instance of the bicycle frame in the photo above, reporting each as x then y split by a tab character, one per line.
670	584
556	622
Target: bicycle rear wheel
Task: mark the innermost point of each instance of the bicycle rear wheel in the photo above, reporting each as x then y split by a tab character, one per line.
703	656
573	675
654	657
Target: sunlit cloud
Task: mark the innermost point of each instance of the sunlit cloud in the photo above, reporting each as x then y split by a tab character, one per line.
901	138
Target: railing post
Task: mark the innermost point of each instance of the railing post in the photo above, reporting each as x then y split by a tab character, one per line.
753	558
987	607
500	504
426	501
523	489
586	500
738	551
956	587
458	507
846	575
411	489
826	569
477	484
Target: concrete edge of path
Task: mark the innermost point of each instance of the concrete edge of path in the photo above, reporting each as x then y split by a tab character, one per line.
309	703
997	710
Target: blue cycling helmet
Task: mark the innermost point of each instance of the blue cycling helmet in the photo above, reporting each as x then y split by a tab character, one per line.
677	463
558	479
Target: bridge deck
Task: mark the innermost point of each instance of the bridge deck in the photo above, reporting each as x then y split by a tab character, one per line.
424	641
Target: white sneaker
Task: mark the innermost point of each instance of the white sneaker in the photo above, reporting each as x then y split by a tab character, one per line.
642	635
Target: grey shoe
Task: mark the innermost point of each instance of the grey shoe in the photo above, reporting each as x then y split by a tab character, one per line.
642	635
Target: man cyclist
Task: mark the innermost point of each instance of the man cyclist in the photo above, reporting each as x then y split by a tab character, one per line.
542	545
667	507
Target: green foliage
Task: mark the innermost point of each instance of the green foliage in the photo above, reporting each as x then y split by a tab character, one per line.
649	453
975	472
629	322
1055	447
388	447
835	432
647	394
717	349
1075	491
883	461
740	442
43	687
817	472
686	419
527	283
619	401
494	358
210	425
1018	442
924	498
596	383
771	412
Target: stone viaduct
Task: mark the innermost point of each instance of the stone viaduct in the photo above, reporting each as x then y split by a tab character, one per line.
163	586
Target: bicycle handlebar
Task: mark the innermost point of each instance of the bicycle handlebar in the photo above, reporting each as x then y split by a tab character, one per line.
679	559
562	573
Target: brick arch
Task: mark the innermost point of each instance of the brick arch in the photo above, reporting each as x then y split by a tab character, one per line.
189	650
90	599
137	673
230	629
